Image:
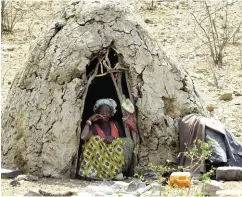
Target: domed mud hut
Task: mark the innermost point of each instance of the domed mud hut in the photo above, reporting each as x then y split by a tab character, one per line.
97	49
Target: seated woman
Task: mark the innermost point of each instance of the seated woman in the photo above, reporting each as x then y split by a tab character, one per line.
106	152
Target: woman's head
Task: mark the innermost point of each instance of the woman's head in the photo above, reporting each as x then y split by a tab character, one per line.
105	107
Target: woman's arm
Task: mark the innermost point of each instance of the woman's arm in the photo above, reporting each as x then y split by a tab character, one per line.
86	132
88	128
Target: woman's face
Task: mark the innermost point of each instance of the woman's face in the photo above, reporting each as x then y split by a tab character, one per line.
106	112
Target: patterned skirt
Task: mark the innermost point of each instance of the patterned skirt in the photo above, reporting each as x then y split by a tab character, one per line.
105	161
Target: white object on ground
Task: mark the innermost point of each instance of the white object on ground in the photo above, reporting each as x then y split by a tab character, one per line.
210	188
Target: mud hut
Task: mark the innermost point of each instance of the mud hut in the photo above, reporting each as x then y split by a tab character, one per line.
95	49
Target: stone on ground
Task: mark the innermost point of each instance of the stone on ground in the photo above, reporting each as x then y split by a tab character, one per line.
32	193
229	173
226	97
210	188
10	173
26	177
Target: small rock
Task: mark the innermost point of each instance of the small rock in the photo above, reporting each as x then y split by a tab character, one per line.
10	49
182	2
10	173
143	190
120	185
141	185
119	177
210	108
236	93
158	186
226	97
9	82
211	84
229	173
210	188
26	177
148	21
132	187
195	182
150	175
32	193
14	183
237	134
234	192
238	103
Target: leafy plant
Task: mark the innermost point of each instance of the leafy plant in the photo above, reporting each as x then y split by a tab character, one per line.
199	152
207	176
199	194
159	171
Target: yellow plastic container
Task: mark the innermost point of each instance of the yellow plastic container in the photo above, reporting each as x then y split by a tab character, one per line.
181	179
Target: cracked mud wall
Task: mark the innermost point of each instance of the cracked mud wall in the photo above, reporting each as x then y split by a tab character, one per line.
41	121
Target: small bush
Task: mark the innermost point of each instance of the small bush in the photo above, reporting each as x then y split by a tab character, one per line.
11	13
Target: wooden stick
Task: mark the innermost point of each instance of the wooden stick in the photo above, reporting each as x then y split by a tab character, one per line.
101	68
128	87
107	60
108	72
135	136
127	133
106	66
88	83
116	66
119	81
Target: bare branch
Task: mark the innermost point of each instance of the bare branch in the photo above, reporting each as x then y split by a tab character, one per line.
216	10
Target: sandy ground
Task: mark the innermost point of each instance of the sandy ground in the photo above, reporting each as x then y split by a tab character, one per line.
62	186
49	185
171	24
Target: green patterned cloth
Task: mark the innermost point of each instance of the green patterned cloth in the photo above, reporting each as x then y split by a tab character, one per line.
105	161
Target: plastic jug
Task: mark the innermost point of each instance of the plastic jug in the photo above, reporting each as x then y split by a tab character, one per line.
181	179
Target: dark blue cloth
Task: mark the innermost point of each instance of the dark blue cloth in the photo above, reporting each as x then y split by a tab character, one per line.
236	150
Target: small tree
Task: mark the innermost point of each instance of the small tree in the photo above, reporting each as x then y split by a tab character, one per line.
11	13
213	35
197	154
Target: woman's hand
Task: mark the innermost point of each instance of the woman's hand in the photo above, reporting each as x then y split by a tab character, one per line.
109	139
131	124
95	117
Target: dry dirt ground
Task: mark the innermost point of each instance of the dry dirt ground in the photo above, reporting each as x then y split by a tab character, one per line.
171	24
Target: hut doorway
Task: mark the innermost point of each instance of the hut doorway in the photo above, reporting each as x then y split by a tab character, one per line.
104	81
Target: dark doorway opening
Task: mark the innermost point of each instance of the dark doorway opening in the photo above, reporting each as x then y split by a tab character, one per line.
101	87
